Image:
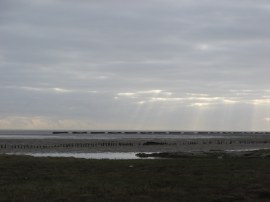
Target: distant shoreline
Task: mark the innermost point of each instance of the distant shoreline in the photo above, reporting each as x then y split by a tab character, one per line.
81	131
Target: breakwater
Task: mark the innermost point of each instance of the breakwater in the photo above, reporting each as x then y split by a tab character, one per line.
130	145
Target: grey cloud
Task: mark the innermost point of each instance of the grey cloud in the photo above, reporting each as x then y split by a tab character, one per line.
218	48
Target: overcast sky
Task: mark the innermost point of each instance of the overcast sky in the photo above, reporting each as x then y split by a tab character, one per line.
124	64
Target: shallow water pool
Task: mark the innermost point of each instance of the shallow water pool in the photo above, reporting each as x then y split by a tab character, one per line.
101	155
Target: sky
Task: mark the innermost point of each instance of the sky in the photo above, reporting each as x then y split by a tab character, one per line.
135	65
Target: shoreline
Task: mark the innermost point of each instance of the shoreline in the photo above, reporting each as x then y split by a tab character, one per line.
219	154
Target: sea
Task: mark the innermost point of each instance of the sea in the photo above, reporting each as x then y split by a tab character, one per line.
122	134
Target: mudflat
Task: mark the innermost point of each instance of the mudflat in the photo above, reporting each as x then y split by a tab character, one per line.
132	145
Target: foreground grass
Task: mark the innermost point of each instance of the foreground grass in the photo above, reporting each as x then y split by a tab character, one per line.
185	179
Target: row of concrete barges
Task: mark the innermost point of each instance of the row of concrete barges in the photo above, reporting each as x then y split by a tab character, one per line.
168	132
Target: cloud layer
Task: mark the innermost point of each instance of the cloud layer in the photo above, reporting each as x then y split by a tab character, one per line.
154	64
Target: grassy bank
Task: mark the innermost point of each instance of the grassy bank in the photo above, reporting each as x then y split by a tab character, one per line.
183	179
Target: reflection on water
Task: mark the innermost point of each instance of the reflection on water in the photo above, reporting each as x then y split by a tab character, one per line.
103	155
245	150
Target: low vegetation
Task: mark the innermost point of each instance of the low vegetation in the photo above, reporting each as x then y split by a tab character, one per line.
205	178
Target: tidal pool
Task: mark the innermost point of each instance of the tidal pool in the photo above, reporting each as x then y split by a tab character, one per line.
101	155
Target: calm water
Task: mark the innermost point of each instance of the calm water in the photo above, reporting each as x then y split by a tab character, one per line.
48	134
104	155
